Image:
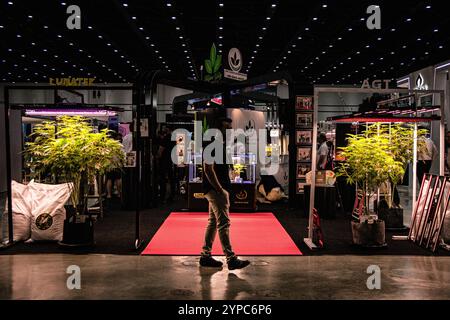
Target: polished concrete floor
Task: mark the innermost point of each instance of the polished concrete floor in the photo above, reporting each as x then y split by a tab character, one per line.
144	277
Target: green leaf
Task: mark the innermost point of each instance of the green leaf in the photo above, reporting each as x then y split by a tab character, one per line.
208	66
213	55
208	77
217	64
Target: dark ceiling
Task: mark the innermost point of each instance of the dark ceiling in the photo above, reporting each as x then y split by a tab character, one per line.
316	41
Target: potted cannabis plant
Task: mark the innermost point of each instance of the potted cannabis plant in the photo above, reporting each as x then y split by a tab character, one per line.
368	164
68	150
400	146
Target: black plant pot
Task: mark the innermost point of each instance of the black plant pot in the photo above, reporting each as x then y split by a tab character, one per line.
393	217
78	229
369	234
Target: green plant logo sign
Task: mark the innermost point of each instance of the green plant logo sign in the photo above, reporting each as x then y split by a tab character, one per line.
212	65
44	221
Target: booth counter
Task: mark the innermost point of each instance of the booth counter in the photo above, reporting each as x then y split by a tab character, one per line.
243	184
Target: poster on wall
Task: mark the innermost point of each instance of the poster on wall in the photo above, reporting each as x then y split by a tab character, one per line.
302	170
181	145
304	137
304	154
145	132
301	187
303	103
130	161
304	120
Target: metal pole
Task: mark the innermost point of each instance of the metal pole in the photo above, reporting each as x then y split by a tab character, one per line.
442	136
414	200
309	241
8	168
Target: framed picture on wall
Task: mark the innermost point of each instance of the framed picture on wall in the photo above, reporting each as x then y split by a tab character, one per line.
300	186
302	170
303	137
304	120
303	103
304	154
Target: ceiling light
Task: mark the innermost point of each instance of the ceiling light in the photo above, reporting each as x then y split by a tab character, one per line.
440	47
220	4
314	19
19	36
428	7
330	46
264	28
306	29
299	38
408	20
10	3
435	30
294	45
30	17
379	39
393	29
324	6
125	4
178	28
350	29
339	38
221	18
141	28
367	46
100	37
89	27
134	18
267	18
220	28
418	39
169	4
181	37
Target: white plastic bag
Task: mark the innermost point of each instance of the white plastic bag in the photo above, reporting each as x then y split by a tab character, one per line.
47	210
21	213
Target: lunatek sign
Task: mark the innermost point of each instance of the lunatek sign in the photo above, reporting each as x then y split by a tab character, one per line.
71	82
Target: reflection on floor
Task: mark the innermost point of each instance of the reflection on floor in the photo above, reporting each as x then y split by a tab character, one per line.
144	277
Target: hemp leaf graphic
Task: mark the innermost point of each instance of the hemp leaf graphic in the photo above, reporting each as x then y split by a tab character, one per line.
213	64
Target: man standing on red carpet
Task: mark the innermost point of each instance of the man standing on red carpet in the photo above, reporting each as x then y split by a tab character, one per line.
217	187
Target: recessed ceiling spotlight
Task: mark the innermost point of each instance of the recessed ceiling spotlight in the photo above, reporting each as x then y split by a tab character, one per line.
368	46
267	18
315	19
393	29
330	46
379	38
264	28
440	47
19	36
30	17
90	27
177	28
350	29
10	3
220	4
339	38
141	28
168	4
183	45
435	30
404	47
221	18
419	39
428	7
306	29
100	37
324	6
408	20
299	38
294	45
125	4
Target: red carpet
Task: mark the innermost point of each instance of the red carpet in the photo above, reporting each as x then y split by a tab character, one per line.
251	234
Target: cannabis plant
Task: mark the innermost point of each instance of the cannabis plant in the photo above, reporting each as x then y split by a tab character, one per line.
69	150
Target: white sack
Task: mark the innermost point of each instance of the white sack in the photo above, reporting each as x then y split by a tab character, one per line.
21	213
47	210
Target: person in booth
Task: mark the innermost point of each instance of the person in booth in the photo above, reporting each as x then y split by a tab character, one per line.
217	188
